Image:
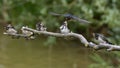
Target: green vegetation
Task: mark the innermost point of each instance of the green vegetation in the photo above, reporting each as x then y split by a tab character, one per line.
104	16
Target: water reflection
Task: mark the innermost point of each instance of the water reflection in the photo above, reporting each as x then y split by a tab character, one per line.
33	54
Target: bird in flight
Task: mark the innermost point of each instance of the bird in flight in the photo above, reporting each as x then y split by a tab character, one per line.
69	17
101	38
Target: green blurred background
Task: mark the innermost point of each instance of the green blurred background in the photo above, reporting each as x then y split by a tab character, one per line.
50	52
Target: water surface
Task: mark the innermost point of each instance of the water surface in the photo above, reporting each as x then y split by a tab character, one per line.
21	53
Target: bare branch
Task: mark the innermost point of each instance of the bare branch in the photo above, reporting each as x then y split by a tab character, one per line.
79	36
16	35
108	47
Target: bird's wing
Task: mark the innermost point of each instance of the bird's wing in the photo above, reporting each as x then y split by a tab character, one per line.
106	40
61	27
55	14
80	20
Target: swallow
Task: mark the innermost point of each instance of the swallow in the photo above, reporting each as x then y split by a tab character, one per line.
101	38
63	28
28	34
40	27
69	17
10	29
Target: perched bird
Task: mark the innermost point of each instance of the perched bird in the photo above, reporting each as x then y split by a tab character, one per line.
28	34
69	17
40	27
63	28
10	29
101	38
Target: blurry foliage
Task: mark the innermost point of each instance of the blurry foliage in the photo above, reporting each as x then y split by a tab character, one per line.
104	16
100	62
50	41
105	60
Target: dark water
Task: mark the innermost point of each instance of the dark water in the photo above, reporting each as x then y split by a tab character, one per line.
21	53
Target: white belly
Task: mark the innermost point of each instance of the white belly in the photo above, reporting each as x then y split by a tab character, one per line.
11	31
43	29
28	33
101	40
65	31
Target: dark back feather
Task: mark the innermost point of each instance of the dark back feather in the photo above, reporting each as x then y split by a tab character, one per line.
103	37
